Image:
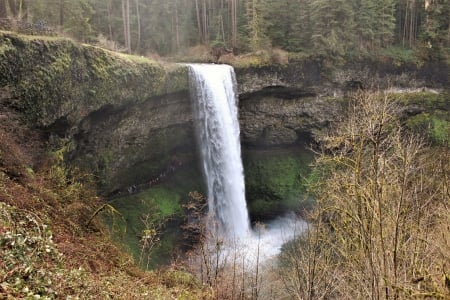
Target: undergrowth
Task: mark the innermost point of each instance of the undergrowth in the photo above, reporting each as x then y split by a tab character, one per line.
53	246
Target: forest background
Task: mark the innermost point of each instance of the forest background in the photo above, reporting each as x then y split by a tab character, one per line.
417	30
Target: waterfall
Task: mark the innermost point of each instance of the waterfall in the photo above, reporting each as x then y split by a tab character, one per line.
213	89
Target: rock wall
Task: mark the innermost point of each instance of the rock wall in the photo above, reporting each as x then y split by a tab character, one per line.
134	144
279	116
322	80
122	117
128	119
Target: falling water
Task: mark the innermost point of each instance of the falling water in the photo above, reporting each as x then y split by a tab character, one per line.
213	89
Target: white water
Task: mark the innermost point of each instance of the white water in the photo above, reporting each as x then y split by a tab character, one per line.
215	105
213	86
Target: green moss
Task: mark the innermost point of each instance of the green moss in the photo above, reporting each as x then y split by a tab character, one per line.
435	126
257	59
434	121
177	78
54	77
260	208
430	101
5	46
275	180
159	204
163	203
166	144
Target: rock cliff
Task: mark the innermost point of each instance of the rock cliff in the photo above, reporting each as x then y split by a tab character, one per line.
128	119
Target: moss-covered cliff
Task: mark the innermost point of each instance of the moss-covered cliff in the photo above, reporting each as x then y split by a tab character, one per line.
128	119
54	78
83	96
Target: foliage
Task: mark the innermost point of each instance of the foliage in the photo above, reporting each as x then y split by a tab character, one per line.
399	55
29	257
329	28
294	32
436	127
380	225
334	25
433	123
51	244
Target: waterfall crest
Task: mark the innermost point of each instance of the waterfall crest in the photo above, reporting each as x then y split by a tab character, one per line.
213	89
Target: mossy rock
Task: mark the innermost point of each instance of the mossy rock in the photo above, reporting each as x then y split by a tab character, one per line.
428	114
427	100
163	203
275	180
55	77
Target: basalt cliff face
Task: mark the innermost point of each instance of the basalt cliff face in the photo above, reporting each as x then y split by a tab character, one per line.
129	119
119	116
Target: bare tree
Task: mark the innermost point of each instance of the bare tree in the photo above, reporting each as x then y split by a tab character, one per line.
382	199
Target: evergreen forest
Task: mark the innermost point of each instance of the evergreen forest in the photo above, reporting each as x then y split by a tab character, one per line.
325	28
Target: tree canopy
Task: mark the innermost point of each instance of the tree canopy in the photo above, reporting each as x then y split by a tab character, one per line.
331	28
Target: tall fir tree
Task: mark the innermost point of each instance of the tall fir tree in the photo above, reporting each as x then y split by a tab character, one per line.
375	23
288	24
333	31
435	30
256	12
385	22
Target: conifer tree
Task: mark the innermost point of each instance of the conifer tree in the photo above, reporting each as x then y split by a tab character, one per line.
384	22
288	24
333	27
256	11
435	33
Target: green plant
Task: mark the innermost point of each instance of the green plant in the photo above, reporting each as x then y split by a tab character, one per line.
29	258
434	126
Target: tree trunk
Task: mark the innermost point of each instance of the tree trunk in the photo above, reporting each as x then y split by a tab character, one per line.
108	8
61	14
3	14
13	7
138	15
205	21
448	34
128	27
233	23
24	9
177	27
126	24
199	22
